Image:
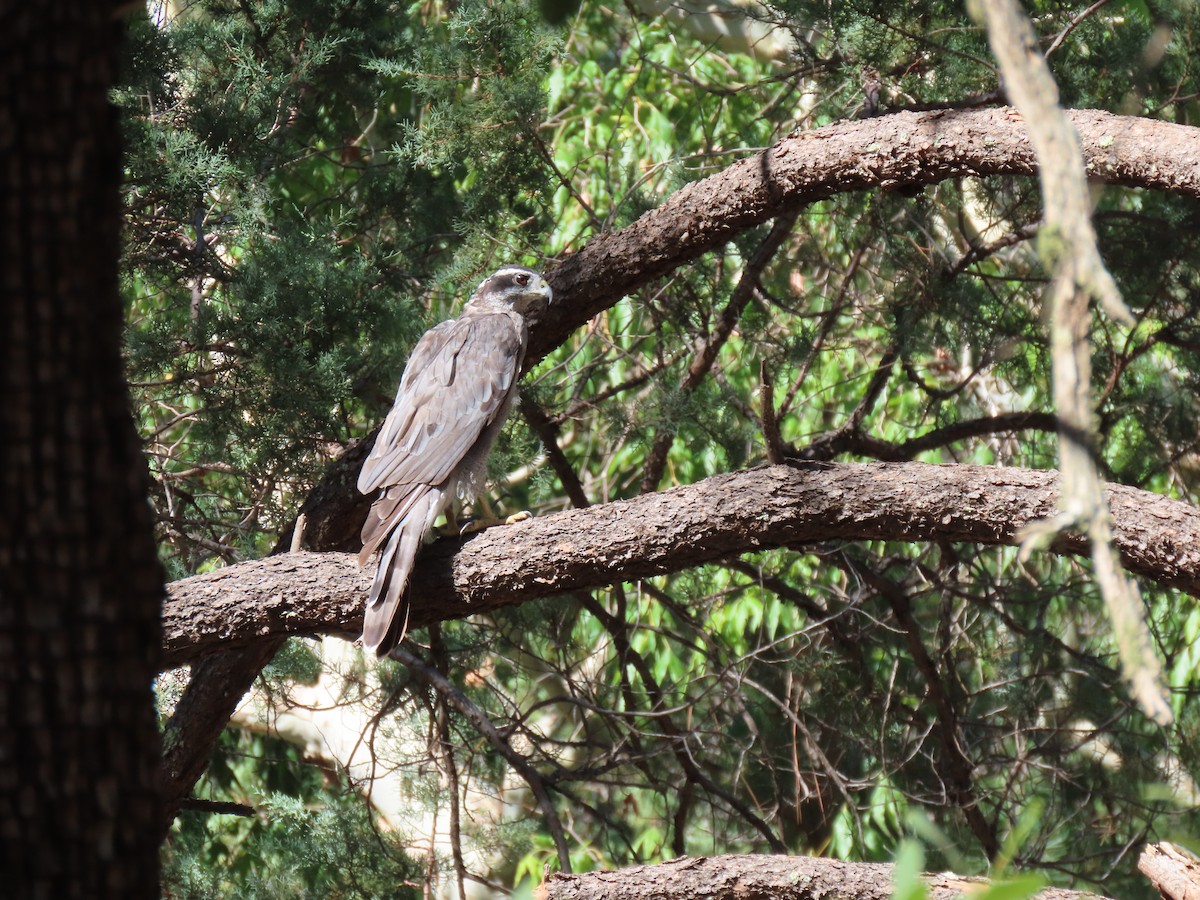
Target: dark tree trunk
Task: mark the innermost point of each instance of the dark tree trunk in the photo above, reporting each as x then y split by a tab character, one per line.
80	585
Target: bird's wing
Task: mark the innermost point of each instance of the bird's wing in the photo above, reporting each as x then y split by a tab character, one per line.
455	384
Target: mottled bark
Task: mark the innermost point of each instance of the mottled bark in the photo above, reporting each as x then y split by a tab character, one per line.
655	533
79	578
760	878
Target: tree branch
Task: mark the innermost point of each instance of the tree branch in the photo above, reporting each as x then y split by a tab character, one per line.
1171	869
898	151
774	506
484	725
894	151
1067	244
842	440
708	347
218	807
778	877
216	686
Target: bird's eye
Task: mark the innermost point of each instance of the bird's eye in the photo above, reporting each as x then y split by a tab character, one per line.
521	278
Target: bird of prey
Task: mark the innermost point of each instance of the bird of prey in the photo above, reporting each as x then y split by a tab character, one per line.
453	398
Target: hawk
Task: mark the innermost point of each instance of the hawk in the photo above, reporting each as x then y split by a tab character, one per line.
454	395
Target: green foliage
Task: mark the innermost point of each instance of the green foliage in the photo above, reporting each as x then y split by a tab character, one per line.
280	254
304	839
311	185
907	883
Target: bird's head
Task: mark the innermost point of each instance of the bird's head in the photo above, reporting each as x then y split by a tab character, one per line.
515	287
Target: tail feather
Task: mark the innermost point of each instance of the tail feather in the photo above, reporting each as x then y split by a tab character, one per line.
392	507
386	618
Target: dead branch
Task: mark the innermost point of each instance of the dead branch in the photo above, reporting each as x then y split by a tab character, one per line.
1173	870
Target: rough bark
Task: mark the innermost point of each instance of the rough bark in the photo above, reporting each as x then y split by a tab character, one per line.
895	152
333	514
298	594
216	686
79	578
759	878
1171	869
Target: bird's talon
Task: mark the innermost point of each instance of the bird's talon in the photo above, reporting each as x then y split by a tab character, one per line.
474	526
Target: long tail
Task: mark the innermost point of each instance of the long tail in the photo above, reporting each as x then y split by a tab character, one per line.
386	620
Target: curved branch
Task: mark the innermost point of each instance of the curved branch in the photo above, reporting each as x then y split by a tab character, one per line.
314	593
843	440
773	506
893	152
897	151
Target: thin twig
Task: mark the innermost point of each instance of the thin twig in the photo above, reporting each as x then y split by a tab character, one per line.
218	807
706	355
484	725
1071	26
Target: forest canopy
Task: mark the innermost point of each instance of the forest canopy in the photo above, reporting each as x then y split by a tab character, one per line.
310	185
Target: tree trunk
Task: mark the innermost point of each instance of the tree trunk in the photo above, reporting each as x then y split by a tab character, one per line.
79	578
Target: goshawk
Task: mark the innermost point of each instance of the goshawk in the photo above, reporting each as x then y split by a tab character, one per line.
432	450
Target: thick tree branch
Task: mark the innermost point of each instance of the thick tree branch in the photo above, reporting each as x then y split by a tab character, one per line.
777	877
1171	869
902	150
299	593
333	514
217	684
218	807
894	151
